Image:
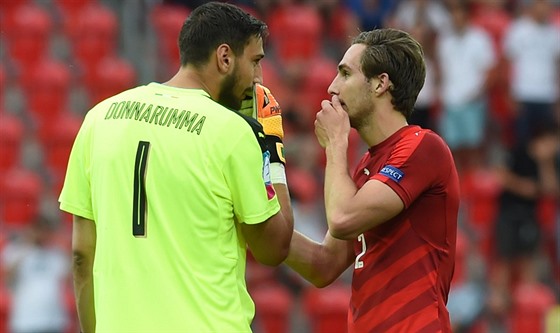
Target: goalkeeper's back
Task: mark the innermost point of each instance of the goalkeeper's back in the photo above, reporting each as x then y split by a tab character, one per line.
169	188
169	171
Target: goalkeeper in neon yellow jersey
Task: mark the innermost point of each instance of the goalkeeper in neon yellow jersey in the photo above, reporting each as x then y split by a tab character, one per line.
169	188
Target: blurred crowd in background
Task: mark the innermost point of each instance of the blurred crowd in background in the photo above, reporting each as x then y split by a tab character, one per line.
492	92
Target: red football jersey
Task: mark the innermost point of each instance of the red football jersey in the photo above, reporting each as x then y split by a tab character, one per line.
404	266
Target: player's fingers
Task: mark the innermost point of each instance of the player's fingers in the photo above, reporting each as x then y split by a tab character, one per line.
336	102
326	105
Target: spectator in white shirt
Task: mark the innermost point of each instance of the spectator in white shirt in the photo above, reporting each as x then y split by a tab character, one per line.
432	12
532	46
466	58
37	272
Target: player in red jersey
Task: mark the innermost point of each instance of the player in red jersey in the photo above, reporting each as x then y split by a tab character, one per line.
395	219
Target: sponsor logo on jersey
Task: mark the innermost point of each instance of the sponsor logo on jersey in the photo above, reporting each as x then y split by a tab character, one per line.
392	172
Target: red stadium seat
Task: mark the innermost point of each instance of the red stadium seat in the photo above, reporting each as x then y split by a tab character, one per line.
27	34
2	83
480	191
309	81
7	5
5	305
303	186
275	82
295	32
257	274
70	303
58	138
340	23
547	212
20	196
46	88
327	308
11	136
7	8
531	302
68	12
318	76
167	21
273	304
93	33
70	7
110	76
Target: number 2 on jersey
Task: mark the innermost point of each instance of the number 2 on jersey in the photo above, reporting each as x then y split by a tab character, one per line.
139	200
359	263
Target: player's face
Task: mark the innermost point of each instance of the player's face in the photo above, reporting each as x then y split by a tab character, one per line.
246	71
352	88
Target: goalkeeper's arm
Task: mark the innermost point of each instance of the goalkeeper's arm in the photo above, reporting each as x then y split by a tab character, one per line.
264	108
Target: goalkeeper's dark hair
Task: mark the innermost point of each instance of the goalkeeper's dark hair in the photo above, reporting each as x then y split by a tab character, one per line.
396	53
216	23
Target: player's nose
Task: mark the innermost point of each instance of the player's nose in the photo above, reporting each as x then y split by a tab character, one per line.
333	89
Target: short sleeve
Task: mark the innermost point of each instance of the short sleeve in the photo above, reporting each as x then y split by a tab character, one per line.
245	171
75	197
416	164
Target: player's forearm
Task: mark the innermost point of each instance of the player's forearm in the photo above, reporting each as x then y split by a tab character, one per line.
270	244
339	190
319	263
82	268
283	195
305	259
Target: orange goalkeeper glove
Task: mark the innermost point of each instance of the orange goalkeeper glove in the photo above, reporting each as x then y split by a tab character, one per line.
264	107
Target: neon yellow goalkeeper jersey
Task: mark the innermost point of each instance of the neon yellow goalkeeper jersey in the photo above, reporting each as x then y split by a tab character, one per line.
165	173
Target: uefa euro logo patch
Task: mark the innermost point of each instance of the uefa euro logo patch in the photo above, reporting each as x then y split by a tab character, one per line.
392	172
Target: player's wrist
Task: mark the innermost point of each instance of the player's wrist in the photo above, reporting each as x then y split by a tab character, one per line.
339	144
278	173
275	147
337	149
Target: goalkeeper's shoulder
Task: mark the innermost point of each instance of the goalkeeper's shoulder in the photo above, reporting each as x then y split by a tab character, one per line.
257	129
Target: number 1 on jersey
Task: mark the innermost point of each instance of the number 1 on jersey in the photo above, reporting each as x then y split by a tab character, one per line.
139	201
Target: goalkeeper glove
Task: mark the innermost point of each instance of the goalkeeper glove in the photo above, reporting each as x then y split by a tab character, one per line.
264	107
